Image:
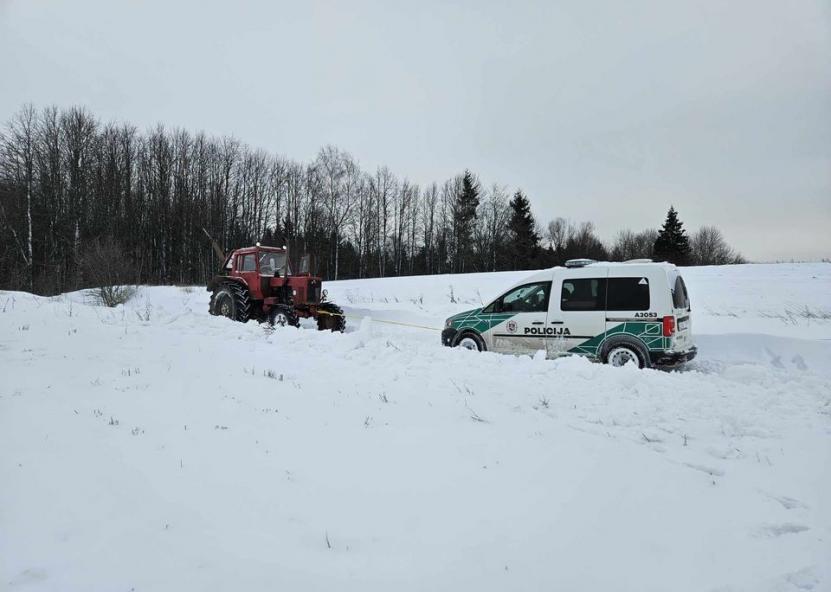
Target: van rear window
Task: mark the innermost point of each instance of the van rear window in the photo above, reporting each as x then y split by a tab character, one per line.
680	299
628	293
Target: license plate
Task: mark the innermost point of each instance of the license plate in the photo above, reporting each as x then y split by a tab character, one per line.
682	326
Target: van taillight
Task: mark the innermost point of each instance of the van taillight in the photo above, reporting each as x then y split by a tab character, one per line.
669	326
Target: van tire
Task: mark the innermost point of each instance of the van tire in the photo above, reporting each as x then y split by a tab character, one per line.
470	340
618	348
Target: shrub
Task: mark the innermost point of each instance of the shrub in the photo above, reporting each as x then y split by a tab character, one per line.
106	269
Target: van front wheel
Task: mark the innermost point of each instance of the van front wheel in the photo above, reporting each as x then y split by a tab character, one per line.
470	341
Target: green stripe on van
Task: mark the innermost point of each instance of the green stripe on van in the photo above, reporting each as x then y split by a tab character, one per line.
650	333
479	321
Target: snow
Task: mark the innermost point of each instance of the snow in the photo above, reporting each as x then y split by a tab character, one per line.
154	447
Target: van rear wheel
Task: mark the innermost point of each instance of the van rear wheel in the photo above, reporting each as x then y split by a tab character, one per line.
620	356
624	350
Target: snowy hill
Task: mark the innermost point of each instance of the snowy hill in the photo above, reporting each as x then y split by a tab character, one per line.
154	447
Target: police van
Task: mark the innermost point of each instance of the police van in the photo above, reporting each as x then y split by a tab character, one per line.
637	311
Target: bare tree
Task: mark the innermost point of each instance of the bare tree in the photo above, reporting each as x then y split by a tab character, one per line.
340	179
429	214
18	164
631	245
491	228
583	242
361	222
708	247
384	187
558	234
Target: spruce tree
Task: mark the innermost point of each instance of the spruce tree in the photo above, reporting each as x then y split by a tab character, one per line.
672	243
524	241
464	215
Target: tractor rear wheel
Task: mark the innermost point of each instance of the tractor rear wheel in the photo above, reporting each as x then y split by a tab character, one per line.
330	317
231	300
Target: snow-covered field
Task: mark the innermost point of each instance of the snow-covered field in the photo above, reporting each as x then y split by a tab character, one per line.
154	447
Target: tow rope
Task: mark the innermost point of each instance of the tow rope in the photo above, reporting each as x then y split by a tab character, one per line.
374	320
338	314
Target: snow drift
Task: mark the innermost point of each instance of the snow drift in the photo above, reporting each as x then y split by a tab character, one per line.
154	447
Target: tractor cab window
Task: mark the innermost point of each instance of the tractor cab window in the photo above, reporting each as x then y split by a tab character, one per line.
527	298
247	263
304	265
273	264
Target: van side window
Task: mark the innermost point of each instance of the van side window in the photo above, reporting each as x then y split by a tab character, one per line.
583	294
527	298
631	293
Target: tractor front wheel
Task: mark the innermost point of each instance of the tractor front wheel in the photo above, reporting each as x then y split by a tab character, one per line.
330	317
283	316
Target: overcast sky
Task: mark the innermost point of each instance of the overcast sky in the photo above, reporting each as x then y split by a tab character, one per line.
599	110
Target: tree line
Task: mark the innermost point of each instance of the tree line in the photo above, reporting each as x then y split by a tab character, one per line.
70	184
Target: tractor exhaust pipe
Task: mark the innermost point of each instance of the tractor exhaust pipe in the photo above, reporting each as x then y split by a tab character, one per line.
217	249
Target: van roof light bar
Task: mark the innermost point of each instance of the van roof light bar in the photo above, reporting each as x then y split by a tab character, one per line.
579	262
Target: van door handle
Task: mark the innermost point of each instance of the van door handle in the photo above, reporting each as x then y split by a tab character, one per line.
556	322
537	323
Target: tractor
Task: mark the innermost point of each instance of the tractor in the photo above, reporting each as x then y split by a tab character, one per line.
258	283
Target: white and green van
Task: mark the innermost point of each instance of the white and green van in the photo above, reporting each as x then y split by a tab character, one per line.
637	311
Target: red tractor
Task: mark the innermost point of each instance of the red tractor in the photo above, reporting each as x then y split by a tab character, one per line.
257	283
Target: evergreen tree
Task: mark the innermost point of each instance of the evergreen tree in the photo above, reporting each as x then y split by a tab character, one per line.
269	239
524	243
672	243
464	216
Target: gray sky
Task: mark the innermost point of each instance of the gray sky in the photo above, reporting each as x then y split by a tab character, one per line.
600	110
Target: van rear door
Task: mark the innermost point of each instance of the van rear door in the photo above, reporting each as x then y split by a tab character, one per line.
681	308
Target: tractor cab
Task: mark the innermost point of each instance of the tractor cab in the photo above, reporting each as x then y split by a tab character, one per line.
267	273
268	261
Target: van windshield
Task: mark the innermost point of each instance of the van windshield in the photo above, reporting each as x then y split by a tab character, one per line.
680	299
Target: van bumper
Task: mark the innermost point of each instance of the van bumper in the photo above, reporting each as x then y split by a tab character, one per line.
672	359
448	335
